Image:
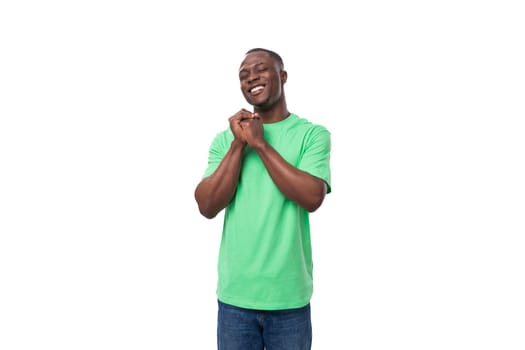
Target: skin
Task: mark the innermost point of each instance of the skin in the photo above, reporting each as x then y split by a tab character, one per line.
214	192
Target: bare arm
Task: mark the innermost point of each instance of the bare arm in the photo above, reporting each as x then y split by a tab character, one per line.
304	189
214	192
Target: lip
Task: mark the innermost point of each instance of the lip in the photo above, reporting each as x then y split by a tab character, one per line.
259	88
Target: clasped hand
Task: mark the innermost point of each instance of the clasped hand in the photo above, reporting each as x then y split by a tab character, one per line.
247	127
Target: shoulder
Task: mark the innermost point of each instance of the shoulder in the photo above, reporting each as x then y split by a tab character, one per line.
310	128
222	138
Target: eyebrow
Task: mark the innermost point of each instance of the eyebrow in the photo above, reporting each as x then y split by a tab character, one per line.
243	68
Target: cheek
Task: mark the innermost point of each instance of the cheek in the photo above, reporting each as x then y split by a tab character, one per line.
276	89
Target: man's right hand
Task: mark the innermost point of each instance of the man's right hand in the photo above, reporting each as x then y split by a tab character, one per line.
235	124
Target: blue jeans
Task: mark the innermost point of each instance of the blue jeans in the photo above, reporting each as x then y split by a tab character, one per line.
246	329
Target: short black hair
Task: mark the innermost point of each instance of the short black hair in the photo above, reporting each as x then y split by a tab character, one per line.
274	55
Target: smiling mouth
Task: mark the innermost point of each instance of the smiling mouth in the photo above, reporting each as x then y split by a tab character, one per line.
256	89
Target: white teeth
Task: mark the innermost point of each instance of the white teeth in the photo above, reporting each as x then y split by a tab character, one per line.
257	88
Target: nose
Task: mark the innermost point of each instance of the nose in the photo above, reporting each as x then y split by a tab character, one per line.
253	77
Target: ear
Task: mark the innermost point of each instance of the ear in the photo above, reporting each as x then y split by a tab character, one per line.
284	76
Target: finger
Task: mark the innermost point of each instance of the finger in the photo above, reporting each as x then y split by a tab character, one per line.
249	116
239	114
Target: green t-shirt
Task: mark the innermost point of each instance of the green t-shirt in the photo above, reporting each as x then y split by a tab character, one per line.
265	258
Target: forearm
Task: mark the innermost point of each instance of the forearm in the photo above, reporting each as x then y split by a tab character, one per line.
215	191
300	187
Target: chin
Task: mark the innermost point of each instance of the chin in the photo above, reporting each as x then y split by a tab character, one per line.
262	106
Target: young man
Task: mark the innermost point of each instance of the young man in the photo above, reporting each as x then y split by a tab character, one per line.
269	169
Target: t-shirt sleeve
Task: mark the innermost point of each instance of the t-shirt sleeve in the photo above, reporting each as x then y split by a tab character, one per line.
316	156
218	149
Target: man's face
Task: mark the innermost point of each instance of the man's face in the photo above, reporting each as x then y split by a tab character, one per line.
261	79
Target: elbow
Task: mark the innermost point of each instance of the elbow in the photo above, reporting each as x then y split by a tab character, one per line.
205	208
207	212
314	205
315	202
204	205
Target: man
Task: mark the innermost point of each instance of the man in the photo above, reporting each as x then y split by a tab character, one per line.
269	169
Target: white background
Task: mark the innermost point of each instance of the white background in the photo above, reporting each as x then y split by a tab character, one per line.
107	111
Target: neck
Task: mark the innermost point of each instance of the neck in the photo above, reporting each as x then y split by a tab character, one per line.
273	115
